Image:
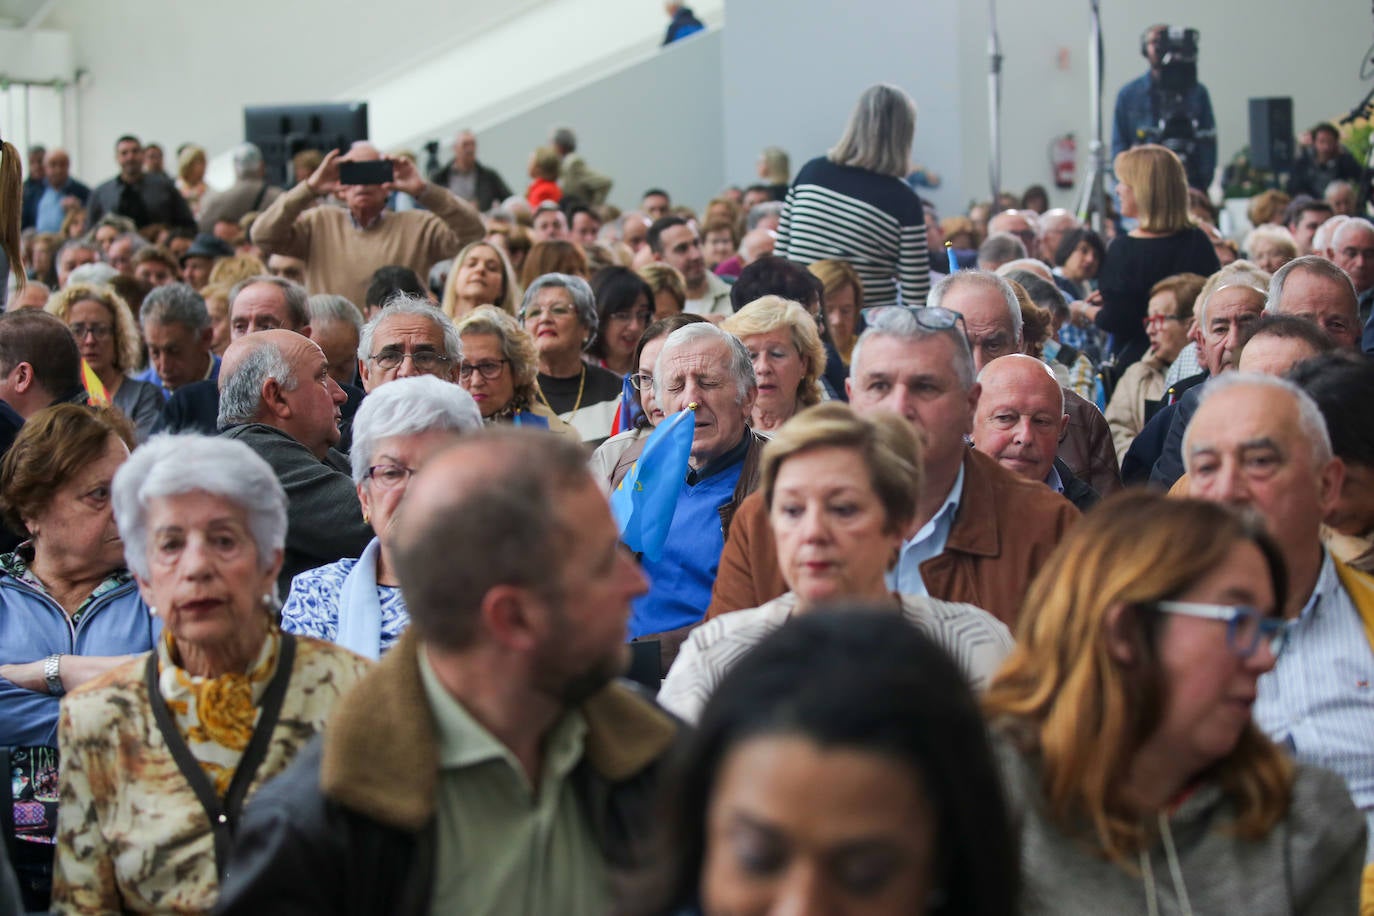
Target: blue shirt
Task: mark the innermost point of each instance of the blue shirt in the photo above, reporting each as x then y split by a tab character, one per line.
50	212
680	581
1318	701
926	543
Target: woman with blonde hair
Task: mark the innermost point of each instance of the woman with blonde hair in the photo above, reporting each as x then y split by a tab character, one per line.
1270	247
788	357
481	275
1153	190
842	303
500	369
108	339
668	286
1123	721
191	176
841	492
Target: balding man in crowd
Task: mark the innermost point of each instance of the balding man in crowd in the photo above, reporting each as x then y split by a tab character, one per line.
277	397
992	320
1054	224
144	197
1309	288
1260	443
981	532
177	329
61	193
1019	420
1312	288
74	254
408	337
702	365
530	774
341	247
259	303
469	180
1024	224
675	242
999	250
34	295
1352	248
250	193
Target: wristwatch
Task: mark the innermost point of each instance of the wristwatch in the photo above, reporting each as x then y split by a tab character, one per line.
52	673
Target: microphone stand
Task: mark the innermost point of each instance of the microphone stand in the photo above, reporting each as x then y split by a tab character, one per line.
994	105
1092	195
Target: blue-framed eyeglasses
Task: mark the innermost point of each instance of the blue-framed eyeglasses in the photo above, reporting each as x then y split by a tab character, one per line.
1246	627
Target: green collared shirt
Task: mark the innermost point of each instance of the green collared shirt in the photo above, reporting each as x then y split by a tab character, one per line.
503	847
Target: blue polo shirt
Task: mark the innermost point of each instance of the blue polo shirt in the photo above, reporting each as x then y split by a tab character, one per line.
680	581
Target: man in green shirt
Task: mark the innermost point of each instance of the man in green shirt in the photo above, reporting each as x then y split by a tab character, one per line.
490	764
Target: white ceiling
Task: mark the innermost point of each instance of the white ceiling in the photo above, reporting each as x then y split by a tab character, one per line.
18	13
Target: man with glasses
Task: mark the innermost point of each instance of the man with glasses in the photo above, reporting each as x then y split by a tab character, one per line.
981	532
1260	443
409	337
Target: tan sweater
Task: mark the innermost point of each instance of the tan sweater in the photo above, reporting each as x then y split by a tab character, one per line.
340	257
1125	413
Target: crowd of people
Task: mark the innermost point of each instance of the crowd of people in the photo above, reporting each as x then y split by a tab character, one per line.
1012	565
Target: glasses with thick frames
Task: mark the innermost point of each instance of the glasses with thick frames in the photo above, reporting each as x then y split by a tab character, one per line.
423	360
1246	627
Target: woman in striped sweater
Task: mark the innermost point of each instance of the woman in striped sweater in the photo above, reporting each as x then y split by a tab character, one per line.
853	205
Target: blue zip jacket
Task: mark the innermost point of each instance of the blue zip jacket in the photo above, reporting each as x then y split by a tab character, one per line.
34	626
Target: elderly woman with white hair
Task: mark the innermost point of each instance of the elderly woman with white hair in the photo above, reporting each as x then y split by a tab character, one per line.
161	754
854	203
357	603
559	312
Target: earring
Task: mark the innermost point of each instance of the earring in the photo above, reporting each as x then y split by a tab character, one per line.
367	519
266	600
152	611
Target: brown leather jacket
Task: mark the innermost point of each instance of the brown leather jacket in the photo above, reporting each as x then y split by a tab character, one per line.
1087	446
1004	532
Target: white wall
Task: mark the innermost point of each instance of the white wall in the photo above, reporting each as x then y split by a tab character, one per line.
796	88
33	114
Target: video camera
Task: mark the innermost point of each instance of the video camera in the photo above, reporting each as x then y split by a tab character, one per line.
1177	50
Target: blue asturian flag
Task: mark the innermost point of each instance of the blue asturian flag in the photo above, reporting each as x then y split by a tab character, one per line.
643	504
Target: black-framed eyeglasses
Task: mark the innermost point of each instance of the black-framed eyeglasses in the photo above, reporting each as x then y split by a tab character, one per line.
932	318
641	381
1246	627
98	331
423	360
488	369
386	476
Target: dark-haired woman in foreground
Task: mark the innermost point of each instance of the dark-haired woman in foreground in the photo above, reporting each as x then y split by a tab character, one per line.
842	768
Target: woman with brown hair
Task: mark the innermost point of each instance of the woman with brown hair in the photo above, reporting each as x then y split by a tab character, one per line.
481	275
11	193
843	303
1154	191
1123	720
553	257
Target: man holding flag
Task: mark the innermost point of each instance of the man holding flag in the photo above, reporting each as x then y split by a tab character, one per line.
675	504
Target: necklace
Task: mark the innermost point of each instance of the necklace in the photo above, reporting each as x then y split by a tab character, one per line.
581	384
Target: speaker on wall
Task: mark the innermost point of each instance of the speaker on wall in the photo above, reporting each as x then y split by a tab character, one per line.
1271	134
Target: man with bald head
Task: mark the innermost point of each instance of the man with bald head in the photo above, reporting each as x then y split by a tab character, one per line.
530	771
1260	443
992	320
469	179
1023	224
342	247
60	194
1019	420
277	397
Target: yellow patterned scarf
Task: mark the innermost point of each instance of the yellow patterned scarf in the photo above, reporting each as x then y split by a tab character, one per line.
216	716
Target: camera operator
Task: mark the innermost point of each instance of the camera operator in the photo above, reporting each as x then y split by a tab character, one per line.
1168	105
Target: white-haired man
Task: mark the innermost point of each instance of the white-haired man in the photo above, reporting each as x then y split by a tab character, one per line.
1260	443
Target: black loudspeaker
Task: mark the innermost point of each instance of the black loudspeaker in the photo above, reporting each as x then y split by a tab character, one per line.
1271	134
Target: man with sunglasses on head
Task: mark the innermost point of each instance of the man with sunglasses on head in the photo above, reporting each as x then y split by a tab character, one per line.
981	532
1260	444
